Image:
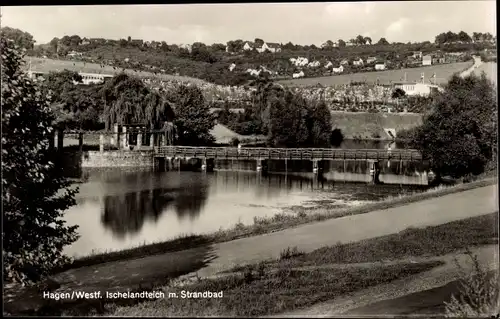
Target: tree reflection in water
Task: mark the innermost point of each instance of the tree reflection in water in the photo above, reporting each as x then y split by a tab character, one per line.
125	214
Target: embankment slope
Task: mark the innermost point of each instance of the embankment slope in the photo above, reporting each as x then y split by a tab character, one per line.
364	125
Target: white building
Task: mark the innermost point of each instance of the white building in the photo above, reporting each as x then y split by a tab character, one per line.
380	66
248	46
269	46
414	88
427	60
358	62
93	78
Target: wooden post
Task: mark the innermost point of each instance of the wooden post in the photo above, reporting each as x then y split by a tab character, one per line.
115	140
101	143
139	140
124	137
315	166
80	142
52	140
60	140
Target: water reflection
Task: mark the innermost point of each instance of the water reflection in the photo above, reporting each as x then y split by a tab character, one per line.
118	210
125	214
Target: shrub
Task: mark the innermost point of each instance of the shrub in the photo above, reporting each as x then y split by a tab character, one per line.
336	137
479	293
290	253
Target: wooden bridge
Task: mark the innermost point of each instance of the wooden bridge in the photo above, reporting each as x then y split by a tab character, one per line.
314	154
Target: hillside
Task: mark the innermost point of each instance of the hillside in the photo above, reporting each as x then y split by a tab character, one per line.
213	64
443	73
48	65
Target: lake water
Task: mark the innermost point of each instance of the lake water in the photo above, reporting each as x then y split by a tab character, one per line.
119	209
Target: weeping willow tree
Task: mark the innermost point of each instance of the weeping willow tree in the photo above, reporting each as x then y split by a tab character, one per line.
127	100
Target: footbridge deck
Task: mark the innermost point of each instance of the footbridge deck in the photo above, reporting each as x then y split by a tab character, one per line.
285	153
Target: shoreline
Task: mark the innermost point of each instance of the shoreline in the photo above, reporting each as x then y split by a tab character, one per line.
262	226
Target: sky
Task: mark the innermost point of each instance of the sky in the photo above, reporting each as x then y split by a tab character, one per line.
300	23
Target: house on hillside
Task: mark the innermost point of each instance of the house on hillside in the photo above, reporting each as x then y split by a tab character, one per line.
248	46
98	40
358	62
188	47
74	54
85	41
427	60
417	55
380	66
137	42
371	60
270	46
438	60
344	62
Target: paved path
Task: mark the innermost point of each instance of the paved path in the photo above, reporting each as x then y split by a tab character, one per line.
477	63
476	202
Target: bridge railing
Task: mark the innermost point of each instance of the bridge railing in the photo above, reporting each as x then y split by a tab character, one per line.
285	153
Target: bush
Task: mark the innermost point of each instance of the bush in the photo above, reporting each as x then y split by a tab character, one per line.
336	137
479	293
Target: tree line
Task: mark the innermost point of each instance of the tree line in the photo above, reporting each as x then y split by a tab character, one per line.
462	36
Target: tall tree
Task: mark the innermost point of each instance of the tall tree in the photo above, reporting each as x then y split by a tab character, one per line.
319	124
258	42
22	39
288	120
383	41
193	118
368	40
127	100
360	40
464	37
289	46
34	194
328	44
460	135
342	43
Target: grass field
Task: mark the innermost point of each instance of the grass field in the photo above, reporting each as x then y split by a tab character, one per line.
443	72
47	65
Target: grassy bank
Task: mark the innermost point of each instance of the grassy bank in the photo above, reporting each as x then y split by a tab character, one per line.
364	125
298	280
412	242
267	293
267	225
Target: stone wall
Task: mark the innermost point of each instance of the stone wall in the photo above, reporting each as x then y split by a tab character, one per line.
117	159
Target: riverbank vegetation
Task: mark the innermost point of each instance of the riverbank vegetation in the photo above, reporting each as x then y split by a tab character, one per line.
298	280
